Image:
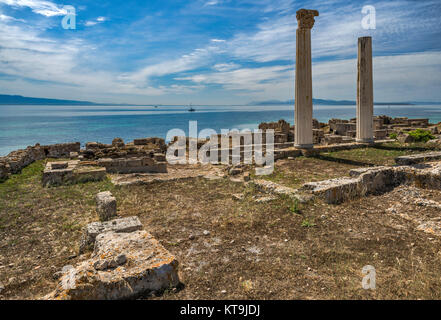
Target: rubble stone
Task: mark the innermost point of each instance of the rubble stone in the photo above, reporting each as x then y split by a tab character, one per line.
122	225
122	266
418	158
106	205
405	138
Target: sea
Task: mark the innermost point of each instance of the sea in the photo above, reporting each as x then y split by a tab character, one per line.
25	125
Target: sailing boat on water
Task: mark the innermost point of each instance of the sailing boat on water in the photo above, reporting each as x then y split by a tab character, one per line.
191	109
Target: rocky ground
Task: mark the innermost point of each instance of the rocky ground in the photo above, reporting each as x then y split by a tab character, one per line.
231	247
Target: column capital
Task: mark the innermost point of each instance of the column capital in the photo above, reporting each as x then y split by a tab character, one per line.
305	18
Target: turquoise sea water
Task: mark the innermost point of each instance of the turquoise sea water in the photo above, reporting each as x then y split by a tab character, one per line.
21	126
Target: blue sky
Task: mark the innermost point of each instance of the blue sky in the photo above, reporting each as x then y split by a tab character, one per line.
213	51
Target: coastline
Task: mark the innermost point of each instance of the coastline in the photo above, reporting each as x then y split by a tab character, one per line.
27	125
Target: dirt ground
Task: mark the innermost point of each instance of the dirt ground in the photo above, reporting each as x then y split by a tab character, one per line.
233	249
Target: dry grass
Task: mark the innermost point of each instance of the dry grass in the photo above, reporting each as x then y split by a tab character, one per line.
253	250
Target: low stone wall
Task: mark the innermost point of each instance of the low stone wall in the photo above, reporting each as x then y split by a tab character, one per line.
149	164
418	158
69	172
15	161
61	150
138	148
364	181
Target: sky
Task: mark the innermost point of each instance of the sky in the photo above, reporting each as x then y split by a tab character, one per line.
214	51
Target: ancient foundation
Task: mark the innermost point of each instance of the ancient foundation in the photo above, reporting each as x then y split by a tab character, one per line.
70	172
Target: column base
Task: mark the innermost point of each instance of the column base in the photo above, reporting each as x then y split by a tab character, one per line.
367	140
304	146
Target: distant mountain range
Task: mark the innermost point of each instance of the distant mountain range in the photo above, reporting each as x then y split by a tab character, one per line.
20	100
9	99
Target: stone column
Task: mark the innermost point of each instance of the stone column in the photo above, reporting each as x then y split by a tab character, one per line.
365	91
303	95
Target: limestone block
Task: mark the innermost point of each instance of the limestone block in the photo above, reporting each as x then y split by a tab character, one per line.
55	177
159	157
418	158
106	205
122	225
123	266
405	138
380	134
73	155
118	142
59	173
334	190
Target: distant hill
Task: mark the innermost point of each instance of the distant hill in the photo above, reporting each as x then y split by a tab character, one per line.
10	99
325	102
6	99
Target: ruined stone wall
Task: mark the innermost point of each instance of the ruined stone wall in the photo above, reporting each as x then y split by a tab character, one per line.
138	148
4	171
15	161
144	155
280	126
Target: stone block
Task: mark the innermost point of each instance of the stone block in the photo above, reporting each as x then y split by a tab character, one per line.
332	139
122	225
418	158
405	138
118	142
71	172
56	177
159	157
105	205
380	134
122	266
73	155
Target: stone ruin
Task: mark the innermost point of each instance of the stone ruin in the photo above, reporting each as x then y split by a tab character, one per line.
126	261
71	172
375	180
145	155
15	161
141	156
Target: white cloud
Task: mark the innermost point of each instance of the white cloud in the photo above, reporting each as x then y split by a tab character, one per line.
90	23
211	3
8	18
45	8
27	55
262	81
406	77
225	66
198	58
94	22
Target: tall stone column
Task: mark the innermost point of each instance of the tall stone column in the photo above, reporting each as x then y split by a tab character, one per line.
365	91
303	95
